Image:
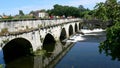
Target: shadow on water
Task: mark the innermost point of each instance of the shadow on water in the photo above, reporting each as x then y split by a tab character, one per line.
111	46
54	53
23	62
49	48
33	61
112	50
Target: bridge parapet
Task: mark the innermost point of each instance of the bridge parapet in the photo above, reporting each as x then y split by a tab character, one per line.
20	25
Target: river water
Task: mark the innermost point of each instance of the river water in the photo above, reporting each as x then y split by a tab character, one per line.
80	51
85	53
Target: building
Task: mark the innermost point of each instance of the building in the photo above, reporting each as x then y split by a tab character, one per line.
39	14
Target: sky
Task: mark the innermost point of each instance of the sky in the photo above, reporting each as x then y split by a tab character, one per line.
12	7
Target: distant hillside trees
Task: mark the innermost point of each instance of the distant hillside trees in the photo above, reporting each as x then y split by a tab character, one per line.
67	11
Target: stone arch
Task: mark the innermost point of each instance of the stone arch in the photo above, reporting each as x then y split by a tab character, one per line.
17	48
63	35
70	30
48	39
48	44
76	28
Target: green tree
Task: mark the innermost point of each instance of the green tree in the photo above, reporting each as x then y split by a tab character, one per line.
112	44
60	10
21	13
81	7
107	11
101	11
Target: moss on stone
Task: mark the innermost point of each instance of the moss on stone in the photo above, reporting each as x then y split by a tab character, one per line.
39	52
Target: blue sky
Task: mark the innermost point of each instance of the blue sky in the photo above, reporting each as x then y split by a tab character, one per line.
13	6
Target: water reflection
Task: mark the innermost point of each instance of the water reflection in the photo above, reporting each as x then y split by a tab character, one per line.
24	62
54	52
2	65
110	50
85	54
50	59
49	48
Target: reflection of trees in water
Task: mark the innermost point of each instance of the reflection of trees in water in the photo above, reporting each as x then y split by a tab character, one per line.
112	45
111	49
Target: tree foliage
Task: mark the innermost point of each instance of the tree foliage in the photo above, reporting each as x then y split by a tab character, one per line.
21	13
110	10
60	10
101	11
112	44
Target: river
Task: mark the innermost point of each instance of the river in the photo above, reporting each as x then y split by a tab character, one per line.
80	51
85	53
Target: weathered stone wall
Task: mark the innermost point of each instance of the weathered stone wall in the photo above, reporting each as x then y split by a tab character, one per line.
36	37
14	26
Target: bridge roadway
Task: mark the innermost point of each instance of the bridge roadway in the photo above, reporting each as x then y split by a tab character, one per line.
25	37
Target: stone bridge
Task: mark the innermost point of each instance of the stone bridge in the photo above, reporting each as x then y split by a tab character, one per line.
26	36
